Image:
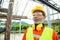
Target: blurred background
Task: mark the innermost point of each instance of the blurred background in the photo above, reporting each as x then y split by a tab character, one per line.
16	16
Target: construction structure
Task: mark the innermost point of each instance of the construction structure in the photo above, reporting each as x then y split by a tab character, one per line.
9	11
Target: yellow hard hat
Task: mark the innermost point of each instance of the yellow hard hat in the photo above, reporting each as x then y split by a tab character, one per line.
39	8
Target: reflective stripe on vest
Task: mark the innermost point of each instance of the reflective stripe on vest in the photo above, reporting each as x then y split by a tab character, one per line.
36	36
46	35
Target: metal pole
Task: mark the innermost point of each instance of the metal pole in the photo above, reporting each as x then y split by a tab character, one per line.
48	16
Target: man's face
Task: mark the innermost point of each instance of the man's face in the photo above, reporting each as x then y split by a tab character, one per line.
38	17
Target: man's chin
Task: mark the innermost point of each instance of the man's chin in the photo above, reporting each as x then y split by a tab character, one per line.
38	22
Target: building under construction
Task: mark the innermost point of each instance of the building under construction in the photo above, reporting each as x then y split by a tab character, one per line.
15	17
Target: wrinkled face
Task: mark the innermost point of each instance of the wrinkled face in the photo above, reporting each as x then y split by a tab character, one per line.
38	17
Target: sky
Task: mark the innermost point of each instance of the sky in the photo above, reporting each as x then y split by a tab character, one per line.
57	1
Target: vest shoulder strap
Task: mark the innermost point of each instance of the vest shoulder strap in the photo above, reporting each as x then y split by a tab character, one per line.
47	34
29	35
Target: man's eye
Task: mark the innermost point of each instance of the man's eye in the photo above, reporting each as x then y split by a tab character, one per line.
33	15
